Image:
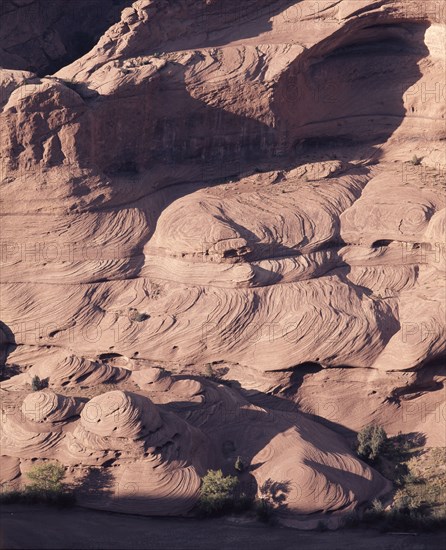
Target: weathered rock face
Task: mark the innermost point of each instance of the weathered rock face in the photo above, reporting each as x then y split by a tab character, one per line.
150	458
259	184
42	36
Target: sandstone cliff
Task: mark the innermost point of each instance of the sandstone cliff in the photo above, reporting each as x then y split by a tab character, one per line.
258	185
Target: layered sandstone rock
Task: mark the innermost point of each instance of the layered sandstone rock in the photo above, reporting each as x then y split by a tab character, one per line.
259	186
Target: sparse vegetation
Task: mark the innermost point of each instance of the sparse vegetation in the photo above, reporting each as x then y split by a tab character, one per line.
221	494
239	466
418	475
46	478
274	493
423	487
46	487
416	161
208	371
135	315
153	291
371	442
377	506
217	493
37	384
405	517
141	60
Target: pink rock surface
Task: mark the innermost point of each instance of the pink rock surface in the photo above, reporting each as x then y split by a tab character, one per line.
256	187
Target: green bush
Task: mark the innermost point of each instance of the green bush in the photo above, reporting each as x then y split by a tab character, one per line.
372	440
46	478
217	492
46	487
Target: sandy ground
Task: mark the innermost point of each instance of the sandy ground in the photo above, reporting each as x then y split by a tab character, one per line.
39	527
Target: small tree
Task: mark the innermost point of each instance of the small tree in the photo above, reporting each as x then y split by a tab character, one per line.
371	442
217	492
46	478
239	466
36	383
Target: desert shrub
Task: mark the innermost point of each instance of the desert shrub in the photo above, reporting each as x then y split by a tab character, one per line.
377	506
46	478
418	503
239	466
410	477
416	161
217	492
208	371
407	514
406	503
46	487
264	510
37	384
439	455
139	61
135	315
372	441
399	474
